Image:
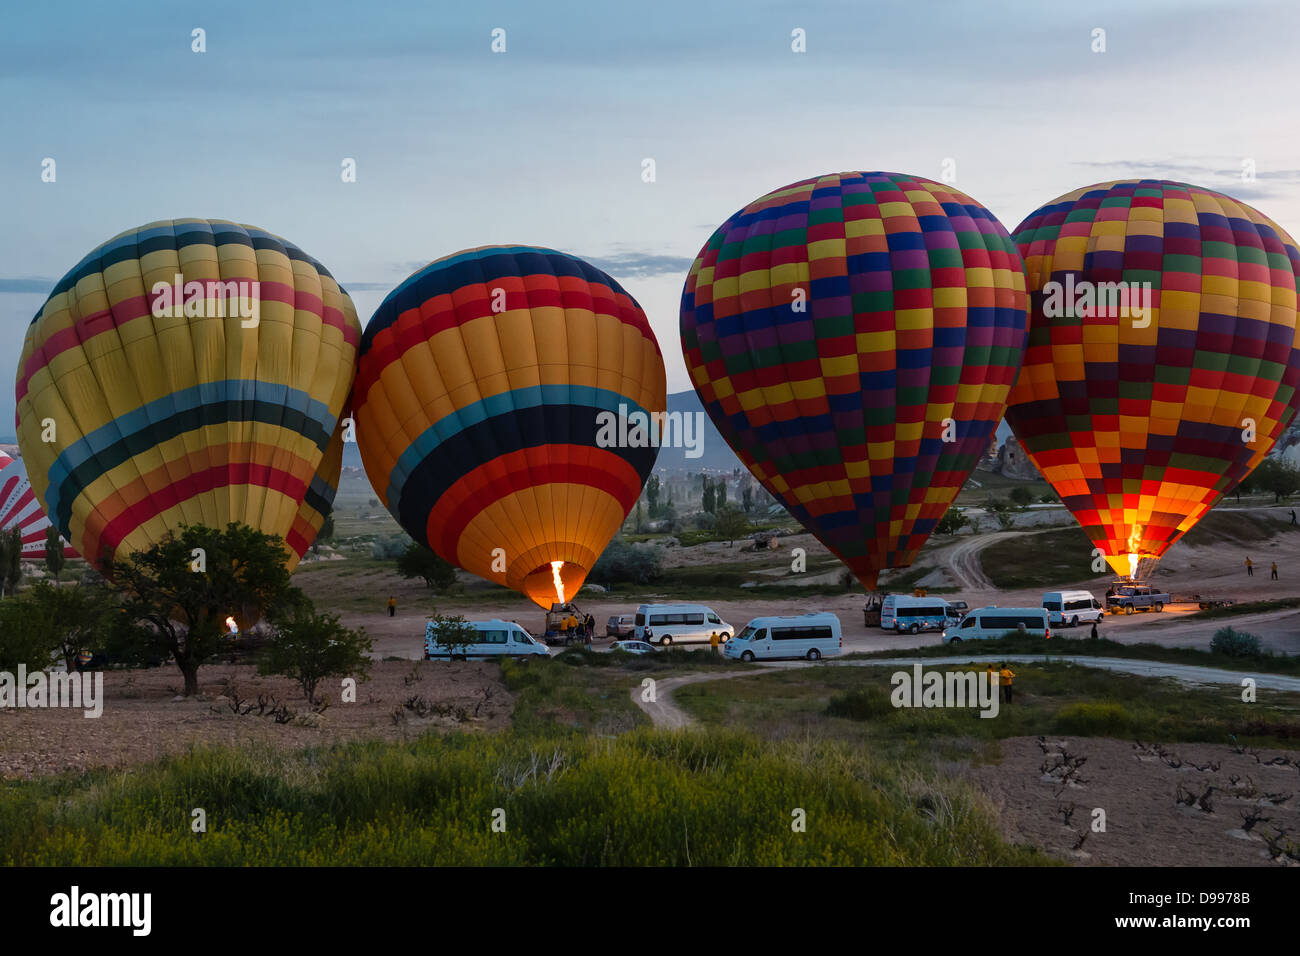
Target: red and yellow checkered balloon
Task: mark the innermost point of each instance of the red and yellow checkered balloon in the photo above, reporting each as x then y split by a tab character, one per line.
1162	363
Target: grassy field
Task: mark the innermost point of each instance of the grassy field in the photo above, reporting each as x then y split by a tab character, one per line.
1039	560
1059	646
1053	698
993	486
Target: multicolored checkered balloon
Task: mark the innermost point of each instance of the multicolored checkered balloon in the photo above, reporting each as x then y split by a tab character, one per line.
854	337
1162	362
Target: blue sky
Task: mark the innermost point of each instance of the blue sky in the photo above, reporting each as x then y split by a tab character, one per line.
457	146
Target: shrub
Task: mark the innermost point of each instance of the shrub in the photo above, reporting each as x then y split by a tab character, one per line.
623	563
1093	718
1232	643
869	703
308	647
393	546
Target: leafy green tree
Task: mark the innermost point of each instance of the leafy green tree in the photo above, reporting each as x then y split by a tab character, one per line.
624	563
953	520
720	497
747	500
652	495
417	561
55	559
1021	497
71	617
1276	477
23	640
731	524
179	591
308	646
451	633
710	500
11	559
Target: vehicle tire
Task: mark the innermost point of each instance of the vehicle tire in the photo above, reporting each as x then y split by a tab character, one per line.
1158	606
747	656
955	640
814	655
914	629
666	641
1128	609
1074	621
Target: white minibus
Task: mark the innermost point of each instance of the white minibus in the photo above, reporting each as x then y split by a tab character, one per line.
903	613
988	623
1072	607
667	624
811	636
495	638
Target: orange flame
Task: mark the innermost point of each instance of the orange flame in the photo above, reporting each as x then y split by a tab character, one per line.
230	623
559	581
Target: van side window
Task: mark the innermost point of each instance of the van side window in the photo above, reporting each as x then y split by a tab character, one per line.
659	618
969	622
696	620
492	637
714	619
640	620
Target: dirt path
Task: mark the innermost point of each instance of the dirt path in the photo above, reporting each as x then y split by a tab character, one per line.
664	712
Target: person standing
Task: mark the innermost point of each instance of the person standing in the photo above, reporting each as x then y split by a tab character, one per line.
1273	576
1094	630
1293	521
392	606
713	641
1005	676
1250	568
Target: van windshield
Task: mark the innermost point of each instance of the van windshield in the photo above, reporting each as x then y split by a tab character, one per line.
746	634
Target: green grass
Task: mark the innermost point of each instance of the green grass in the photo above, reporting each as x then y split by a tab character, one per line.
711	798
1267	662
1249	607
1240	527
1039	560
846	703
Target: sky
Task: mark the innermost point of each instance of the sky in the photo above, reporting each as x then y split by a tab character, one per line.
545	143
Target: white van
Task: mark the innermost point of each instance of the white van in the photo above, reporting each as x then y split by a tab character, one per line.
903	613
666	624
811	636
1072	607
495	638
988	623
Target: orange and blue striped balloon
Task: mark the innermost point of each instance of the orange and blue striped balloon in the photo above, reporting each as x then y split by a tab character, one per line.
483	384
187	372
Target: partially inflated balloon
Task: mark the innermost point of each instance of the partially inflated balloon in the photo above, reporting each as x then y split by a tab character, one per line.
20	509
854	338
1162	362
186	372
486	385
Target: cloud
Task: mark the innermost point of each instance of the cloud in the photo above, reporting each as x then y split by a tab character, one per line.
26	286
368	286
641	265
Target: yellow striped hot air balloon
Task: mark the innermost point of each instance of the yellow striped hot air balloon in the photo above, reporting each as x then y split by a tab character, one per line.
187	372
483	385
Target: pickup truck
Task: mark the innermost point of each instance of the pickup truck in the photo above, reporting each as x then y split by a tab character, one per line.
1136	597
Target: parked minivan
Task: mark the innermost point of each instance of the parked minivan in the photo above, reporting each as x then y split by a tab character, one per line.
495	638
811	636
1072	607
902	612
986	623
667	624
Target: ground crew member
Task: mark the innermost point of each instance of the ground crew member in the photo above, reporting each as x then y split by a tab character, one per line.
993	678
392	606
1250	568
1293	521
1006	676
1094	630
1274	575
713	641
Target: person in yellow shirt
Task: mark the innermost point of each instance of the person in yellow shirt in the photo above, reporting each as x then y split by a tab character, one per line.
713	641
1005	676
392	606
1250	568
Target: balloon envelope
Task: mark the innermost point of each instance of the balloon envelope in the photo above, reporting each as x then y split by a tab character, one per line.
1145	404
20	509
483	385
854	338
185	372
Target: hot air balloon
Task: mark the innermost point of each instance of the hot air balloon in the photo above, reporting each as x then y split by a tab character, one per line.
486	387
20	509
185	372
854	338
1162	361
